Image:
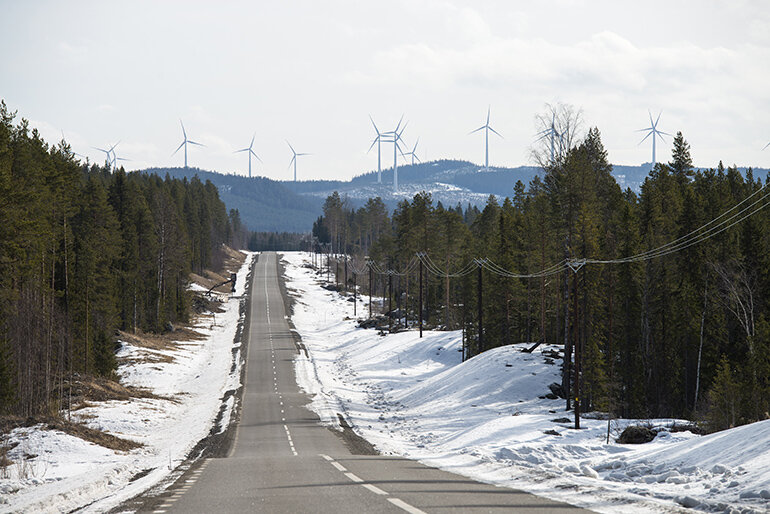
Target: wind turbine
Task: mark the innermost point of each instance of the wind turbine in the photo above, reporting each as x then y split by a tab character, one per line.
653	131
294	159
115	157
395	137
551	133
412	153
251	152
110	154
486	129
377	140
184	143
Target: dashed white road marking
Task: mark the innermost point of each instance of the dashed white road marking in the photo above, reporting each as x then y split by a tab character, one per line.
353	477
376	490
405	506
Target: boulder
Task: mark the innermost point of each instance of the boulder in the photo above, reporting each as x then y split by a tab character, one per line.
636	434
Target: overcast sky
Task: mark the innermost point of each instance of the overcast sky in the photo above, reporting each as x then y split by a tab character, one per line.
312	71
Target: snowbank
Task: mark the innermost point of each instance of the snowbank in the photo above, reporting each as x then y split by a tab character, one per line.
487	418
69	473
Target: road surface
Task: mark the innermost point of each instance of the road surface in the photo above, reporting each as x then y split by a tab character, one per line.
283	460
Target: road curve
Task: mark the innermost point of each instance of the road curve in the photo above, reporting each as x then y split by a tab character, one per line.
283	460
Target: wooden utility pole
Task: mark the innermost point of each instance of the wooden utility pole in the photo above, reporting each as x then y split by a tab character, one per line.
481	309
420	295
576	346
370	291
575	266
355	294
390	302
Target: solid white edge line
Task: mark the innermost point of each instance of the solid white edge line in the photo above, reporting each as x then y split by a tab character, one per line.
405	506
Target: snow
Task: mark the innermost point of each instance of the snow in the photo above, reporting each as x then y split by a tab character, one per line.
485	418
192	380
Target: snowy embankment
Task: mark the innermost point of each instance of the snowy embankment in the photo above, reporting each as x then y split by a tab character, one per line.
193	378
487	418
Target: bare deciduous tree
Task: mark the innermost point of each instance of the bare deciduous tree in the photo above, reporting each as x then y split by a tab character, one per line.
558	128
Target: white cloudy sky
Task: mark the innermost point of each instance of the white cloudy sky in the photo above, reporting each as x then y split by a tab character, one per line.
311	71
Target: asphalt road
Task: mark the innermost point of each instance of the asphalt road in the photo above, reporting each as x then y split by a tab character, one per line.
283	460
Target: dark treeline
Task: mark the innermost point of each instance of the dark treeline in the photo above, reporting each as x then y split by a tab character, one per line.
278	241
85	252
685	334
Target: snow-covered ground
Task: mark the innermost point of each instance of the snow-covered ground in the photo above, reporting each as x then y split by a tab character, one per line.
70	473
484	418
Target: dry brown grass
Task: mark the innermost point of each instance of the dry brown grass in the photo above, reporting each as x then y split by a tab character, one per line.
8	423
231	263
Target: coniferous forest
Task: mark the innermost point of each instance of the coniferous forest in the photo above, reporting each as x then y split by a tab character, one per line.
661	299
85	252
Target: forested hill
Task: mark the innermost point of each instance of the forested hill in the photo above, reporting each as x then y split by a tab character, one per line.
85	251
264	205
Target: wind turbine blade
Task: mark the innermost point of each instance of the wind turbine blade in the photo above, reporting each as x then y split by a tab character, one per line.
372	145
183	130
489	109
194	143
399	123
178	148
252	140
664	133
645	137
100	149
292	148
415	144
496	132
652	124
304	154
374	125
113	146
644	129
480	128
658	118
255	155
242	150
768	144
293	158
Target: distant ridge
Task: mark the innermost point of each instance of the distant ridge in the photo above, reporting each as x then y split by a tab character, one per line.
265	205
272	206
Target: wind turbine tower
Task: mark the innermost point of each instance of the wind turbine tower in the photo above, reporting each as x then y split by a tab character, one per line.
294	159
184	143
395	137
251	152
653	131
486	128
377	140
550	133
